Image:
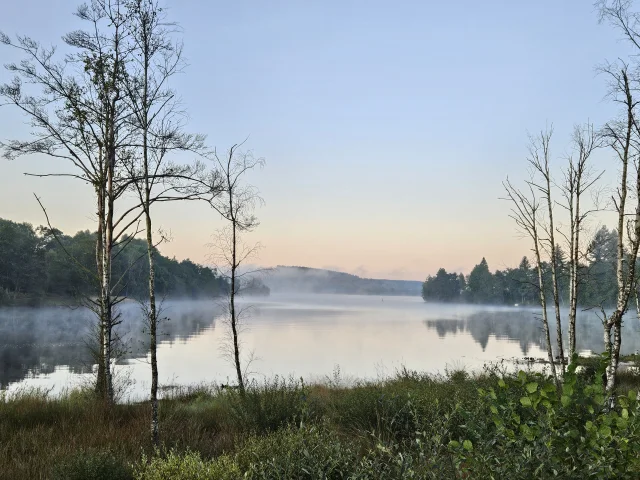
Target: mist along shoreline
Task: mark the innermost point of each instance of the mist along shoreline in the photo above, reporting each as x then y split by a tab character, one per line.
37	340
409	425
425	425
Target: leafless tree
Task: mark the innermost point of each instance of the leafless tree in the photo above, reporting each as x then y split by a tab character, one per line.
158	125
525	212
78	114
236	205
540	159
622	136
579	177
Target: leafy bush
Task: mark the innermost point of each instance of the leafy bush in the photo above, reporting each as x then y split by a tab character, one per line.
538	431
88	465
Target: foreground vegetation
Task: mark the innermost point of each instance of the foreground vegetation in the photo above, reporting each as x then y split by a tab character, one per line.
492	425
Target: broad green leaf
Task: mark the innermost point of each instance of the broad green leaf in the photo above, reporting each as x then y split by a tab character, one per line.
567	390
467	445
566	400
605	431
454	444
625	413
494	409
501	383
532	387
522	376
525	401
633	395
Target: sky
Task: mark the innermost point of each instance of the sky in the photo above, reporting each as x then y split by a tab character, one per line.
387	127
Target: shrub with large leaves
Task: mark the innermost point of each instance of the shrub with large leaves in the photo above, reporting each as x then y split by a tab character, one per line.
537	430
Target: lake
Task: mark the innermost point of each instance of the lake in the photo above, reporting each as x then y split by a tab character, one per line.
313	336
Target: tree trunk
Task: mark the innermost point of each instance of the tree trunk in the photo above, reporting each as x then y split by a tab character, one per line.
573	266
106	276
101	381
153	325
554	276
153	313
543	304
232	305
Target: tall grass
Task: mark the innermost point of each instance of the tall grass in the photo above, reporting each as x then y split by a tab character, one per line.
399	427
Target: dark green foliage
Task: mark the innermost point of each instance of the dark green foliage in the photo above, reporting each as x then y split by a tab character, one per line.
481	284
600	274
21	259
444	287
88	465
39	263
597	277
534	430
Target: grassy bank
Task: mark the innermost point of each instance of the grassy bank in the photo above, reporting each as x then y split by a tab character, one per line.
409	426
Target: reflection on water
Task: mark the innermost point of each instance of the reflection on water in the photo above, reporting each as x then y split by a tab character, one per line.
302	335
525	327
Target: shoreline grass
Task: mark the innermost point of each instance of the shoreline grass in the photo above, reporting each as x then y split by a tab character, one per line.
406	426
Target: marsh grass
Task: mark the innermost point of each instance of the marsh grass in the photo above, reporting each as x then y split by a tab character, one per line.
387	428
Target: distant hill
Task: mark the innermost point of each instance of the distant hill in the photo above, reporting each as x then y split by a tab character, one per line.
283	279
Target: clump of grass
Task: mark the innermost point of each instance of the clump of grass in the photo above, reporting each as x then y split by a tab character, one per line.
84	465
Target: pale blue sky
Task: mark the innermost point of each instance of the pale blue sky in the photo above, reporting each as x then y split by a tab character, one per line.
387	126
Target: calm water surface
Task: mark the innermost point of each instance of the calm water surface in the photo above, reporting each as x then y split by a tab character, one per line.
311	336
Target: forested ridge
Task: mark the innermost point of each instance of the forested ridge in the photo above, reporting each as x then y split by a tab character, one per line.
38	263
510	286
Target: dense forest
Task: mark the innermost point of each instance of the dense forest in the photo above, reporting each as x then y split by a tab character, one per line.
597	277
36	264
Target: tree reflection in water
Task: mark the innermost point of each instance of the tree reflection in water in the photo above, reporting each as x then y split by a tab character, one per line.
524	326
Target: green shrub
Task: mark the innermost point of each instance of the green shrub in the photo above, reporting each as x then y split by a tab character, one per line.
290	453
88	465
534	430
189	466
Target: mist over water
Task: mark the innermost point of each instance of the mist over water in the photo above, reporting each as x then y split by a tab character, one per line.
301	335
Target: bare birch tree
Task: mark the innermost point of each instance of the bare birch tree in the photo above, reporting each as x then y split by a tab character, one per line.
540	160
158	122
525	212
79	115
236	205
622	136
578	179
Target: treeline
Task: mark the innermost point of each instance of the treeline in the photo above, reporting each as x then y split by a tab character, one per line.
596	274
39	263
